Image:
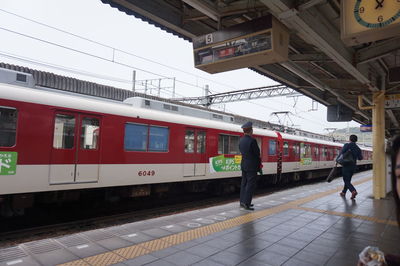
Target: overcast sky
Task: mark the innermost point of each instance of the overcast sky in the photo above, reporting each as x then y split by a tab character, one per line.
172	57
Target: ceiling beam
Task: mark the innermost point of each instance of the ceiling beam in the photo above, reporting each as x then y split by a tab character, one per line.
204	8
320	85
314	28
309	57
279	74
152	10
344	84
377	50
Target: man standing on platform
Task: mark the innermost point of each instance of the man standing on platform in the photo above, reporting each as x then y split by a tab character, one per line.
250	165
349	169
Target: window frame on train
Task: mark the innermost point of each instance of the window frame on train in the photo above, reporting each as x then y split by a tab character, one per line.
62	140
12	138
285	148
145	138
272	148
222	146
89	141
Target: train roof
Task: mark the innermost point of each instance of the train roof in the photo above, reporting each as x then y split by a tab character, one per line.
305	139
75	101
99	105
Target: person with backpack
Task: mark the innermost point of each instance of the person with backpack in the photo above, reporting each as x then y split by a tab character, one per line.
349	155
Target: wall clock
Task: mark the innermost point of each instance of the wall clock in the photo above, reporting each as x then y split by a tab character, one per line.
369	20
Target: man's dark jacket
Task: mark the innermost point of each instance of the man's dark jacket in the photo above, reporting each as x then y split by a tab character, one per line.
250	154
355	150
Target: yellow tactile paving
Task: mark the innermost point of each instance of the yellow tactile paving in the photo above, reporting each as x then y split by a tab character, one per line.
355	216
103	259
131	252
155	245
165	242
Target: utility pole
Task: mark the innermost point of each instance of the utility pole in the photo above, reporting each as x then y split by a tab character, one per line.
133	80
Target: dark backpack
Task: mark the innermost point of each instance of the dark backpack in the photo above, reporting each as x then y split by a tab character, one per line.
346	158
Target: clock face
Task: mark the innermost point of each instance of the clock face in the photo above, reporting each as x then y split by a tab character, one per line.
376	13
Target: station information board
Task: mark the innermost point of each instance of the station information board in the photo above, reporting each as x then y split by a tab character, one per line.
392	101
260	41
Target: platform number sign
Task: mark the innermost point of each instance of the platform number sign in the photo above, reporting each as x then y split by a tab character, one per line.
392	101
209	38
8	163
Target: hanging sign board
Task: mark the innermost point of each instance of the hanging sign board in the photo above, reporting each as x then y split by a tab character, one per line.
392	101
394	75
257	42
366	128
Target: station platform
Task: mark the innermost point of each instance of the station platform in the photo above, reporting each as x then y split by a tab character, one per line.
305	225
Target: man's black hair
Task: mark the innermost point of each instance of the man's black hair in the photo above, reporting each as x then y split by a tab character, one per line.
353	138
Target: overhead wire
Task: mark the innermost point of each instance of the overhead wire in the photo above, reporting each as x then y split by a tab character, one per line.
66	69
113	48
119	63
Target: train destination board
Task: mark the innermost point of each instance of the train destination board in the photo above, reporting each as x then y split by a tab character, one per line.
257	42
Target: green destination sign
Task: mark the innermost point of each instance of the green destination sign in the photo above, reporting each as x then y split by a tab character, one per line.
225	164
8	163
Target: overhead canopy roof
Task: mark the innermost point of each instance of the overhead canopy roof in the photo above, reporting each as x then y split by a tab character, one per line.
320	65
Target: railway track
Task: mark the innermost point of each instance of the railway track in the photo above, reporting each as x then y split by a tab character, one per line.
128	214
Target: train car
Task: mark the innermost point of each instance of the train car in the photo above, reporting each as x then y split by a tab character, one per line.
58	146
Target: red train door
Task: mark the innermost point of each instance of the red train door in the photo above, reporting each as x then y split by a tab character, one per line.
75	150
195	152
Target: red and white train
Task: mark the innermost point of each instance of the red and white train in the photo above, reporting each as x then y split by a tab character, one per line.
67	144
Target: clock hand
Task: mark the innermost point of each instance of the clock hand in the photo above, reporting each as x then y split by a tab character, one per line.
380	3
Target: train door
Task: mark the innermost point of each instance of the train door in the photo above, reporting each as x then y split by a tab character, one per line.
273	156
316	156
88	155
296	153
75	149
195	153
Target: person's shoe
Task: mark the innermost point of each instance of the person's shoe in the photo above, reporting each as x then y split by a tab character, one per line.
248	207
342	194
353	194
243	205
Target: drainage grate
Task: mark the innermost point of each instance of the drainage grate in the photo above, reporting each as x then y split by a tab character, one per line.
43	246
98	235
11	254
72	240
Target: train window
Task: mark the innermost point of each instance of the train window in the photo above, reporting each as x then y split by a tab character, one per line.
285	148
272	147
201	142
89	133
223	144
306	151
316	151
8	126
189	141
158	139
135	137
228	144
296	149
325	151
64	131
234	144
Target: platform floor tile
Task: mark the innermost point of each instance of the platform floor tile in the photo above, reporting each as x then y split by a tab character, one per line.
307	225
